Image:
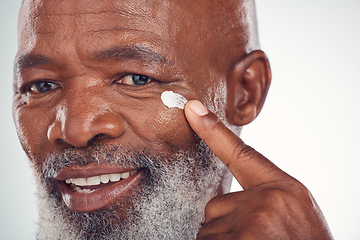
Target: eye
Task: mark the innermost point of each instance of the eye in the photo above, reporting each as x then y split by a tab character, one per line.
135	80
41	87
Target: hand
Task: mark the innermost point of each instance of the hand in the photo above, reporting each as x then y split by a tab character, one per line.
273	205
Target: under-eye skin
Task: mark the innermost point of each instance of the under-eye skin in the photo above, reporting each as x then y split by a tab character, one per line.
40	86
135	80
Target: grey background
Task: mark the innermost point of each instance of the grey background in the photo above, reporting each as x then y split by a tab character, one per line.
309	125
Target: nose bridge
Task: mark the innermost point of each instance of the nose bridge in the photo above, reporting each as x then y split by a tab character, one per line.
84	114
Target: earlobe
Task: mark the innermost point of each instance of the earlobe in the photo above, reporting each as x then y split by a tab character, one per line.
247	86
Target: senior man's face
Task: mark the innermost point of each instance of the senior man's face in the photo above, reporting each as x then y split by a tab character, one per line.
110	159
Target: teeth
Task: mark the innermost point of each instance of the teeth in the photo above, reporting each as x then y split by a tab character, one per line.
104	178
96	180
78	189
93	180
87	191
79	181
125	175
115	177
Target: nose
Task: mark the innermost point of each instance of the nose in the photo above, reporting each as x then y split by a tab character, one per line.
79	122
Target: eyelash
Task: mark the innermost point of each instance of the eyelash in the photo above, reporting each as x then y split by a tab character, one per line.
141	79
35	89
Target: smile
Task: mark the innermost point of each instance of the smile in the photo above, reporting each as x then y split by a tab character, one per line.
90	189
91	184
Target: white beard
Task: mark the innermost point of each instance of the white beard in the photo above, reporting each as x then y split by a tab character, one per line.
170	204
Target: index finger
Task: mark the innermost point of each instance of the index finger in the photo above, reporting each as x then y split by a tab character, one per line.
248	166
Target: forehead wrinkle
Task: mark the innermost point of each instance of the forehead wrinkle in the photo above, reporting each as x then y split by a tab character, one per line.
126	30
80	8
75	16
82	13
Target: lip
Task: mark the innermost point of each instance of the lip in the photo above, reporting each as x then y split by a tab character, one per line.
104	196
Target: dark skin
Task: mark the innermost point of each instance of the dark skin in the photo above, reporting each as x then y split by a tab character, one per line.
74	84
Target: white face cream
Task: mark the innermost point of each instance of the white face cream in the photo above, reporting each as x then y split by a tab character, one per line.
171	100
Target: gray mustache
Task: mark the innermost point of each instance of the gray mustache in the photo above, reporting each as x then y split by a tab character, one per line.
97	154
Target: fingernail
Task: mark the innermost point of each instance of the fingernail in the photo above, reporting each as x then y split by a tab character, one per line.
198	108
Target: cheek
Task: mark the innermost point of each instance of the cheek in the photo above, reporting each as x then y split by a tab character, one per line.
31	127
162	129
173	129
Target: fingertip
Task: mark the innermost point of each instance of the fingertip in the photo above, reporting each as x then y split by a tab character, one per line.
196	107
198	117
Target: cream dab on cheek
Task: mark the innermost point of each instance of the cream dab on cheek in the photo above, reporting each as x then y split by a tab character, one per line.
171	99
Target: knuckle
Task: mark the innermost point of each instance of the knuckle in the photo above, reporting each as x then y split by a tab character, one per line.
240	150
211	209
220	205
276	201
219	201
290	195
246	153
297	191
276	196
303	194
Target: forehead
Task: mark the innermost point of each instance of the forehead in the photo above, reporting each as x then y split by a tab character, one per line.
89	17
82	21
166	25
83	18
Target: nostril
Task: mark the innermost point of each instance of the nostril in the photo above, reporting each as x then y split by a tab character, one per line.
97	137
61	142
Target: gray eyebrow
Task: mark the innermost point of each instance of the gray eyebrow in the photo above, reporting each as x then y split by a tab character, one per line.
141	53
31	60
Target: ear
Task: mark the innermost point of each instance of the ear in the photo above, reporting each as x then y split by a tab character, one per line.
247	86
